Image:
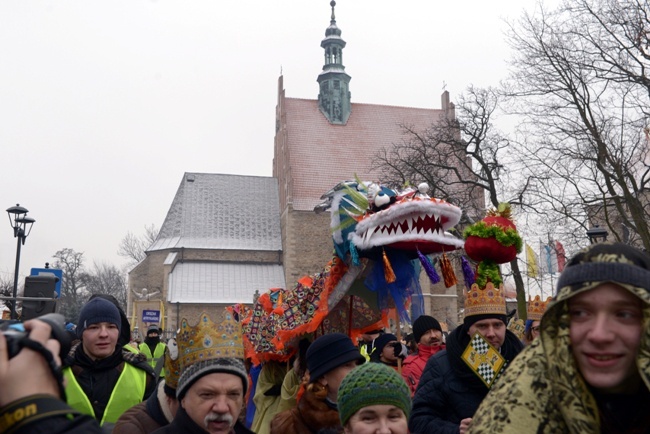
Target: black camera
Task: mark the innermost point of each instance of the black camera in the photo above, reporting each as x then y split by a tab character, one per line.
14	332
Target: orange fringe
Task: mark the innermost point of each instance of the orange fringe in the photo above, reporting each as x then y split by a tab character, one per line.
389	274
447	271
337	270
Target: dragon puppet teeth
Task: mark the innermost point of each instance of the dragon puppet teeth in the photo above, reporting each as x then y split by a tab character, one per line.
418	224
413	222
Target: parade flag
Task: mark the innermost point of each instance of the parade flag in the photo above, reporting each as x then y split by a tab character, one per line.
549	259
561	256
531	262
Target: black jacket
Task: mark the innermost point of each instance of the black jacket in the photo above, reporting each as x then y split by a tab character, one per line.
449	391
184	424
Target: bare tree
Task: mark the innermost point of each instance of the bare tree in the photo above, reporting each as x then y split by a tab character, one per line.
73	285
106	279
465	159
6	288
134	247
580	82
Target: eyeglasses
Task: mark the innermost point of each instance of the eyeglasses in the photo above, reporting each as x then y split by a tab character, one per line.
535	329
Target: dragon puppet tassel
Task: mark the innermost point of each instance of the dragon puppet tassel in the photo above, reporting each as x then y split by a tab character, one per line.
447	271
429	268
389	274
468	273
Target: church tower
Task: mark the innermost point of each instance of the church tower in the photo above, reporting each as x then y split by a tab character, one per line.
334	82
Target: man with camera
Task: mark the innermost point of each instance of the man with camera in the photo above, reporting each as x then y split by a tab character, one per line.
30	392
388	350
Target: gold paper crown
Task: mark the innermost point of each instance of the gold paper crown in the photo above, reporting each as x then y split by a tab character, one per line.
208	340
490	300
172	364
537	307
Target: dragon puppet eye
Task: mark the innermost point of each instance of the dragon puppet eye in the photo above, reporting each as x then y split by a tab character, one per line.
382	199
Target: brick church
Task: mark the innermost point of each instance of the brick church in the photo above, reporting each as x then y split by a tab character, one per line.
215	248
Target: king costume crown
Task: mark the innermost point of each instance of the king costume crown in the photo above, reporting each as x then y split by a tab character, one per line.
537	307
479	301
208	340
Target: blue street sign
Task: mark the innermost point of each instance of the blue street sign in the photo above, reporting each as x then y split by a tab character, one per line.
151	316
53	272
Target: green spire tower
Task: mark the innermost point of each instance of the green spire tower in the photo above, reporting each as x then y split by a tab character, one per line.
334	82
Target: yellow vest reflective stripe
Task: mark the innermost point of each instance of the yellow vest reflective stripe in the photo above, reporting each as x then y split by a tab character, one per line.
128	391
157	354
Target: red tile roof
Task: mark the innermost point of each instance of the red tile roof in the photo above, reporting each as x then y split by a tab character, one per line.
323	154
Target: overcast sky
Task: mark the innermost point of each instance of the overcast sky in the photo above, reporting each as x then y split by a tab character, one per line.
105	104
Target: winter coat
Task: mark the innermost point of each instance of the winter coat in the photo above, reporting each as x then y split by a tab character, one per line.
267	396
414	364
183	424
312	414
147	416
449	391
97	378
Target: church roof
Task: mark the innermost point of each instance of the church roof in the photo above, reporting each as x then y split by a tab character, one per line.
323	154
225	212
222	282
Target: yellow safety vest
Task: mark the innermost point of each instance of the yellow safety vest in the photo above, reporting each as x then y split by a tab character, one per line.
364	351
157	354
128	391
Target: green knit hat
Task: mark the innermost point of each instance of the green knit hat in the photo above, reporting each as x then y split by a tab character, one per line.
372	384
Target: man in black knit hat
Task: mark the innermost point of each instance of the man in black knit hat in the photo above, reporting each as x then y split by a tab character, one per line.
427	334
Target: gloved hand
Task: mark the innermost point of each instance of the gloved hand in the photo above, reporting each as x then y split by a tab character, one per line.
400	350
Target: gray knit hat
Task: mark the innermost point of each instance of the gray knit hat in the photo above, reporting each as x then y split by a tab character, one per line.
372	384
192	373
95	311
605	262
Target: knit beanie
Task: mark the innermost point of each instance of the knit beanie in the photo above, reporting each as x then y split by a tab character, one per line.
227	365
423	324
125	330
605	262
381	342
329	352
372	384
95	311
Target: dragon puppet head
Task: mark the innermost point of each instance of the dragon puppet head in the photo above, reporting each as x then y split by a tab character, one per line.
369	217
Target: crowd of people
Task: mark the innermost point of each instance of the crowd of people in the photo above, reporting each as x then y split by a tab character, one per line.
583	367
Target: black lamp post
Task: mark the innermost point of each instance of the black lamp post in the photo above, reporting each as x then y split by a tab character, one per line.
22	227
597	234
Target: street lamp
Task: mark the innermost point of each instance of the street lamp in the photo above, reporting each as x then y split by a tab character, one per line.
597	234
22	227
